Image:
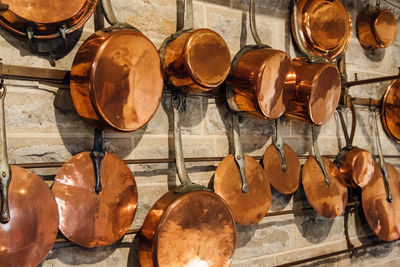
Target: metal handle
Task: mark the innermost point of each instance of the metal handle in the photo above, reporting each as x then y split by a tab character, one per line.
382	162
109	12
5	176
3	8
188	21
253	26
278	143
238	153
97	155
317	156
344	128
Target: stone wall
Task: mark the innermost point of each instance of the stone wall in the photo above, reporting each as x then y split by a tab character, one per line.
42	126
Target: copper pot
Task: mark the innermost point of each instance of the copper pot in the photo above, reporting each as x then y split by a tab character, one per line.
46	19
376	28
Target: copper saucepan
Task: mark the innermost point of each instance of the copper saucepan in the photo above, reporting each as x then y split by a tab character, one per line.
29	217
116	77
46	19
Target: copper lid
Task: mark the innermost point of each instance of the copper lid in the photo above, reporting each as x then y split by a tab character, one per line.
207	57
197	229
390	112
247	208
30	234
285	182
126	80
329	201
89	219
385	28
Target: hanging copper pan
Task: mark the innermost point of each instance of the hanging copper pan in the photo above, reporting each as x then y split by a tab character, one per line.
390	111
116	78
190	226
376	28
46	19
28	218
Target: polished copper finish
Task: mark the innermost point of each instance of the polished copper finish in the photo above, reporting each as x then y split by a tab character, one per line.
46	17
29	235
285	182
89	219
195	60
376	28
257	80
328	200
390	112
247	208
315	94
181	230
116	79
383	217
324	27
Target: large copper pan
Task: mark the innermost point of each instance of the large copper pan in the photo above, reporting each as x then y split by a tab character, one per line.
190	226
46	19
116	77
390	111
29	218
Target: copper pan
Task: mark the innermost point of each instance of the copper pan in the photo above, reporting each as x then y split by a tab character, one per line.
116	77
28	218
194	60
190	226
376	28
46	19
390	111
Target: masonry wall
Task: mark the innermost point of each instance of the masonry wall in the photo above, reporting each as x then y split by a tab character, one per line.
42	126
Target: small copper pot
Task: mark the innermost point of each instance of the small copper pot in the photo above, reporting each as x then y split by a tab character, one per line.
376	28
195	60
312	92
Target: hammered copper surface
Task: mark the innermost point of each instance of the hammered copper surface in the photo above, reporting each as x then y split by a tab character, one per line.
325	27
376	28
390	112
316	93
116	80
196	60
383	217
328	201
29	235
46	16
89	219
257	78
285	182
192	229
247	208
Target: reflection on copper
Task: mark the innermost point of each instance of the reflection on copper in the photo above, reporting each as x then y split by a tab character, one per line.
390	112
383	217
116	80
89	219
29	235
187	230
46	16
376	28
285	182
247	208
316	92
257	79
328	201
324	27
195	60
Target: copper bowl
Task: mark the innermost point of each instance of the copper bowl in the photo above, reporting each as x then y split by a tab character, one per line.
195	60
256	81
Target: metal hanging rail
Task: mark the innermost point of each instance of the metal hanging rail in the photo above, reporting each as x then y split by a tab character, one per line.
369	81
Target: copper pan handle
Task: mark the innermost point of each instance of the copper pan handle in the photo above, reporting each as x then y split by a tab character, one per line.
3	8
344	128
109	12
317	155
188	20
238	153
253	26
97	155
278	143
5	176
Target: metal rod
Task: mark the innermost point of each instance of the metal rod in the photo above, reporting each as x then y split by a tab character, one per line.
35	74
373	80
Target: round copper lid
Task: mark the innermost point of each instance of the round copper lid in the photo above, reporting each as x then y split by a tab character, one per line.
89	219
329	201
203	49
385	28
199	224
325	94
390	112
383	217
126	81
285	182
247	208
29	235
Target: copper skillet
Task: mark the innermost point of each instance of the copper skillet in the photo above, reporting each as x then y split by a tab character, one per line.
390	111
28	218
381	196
197	222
